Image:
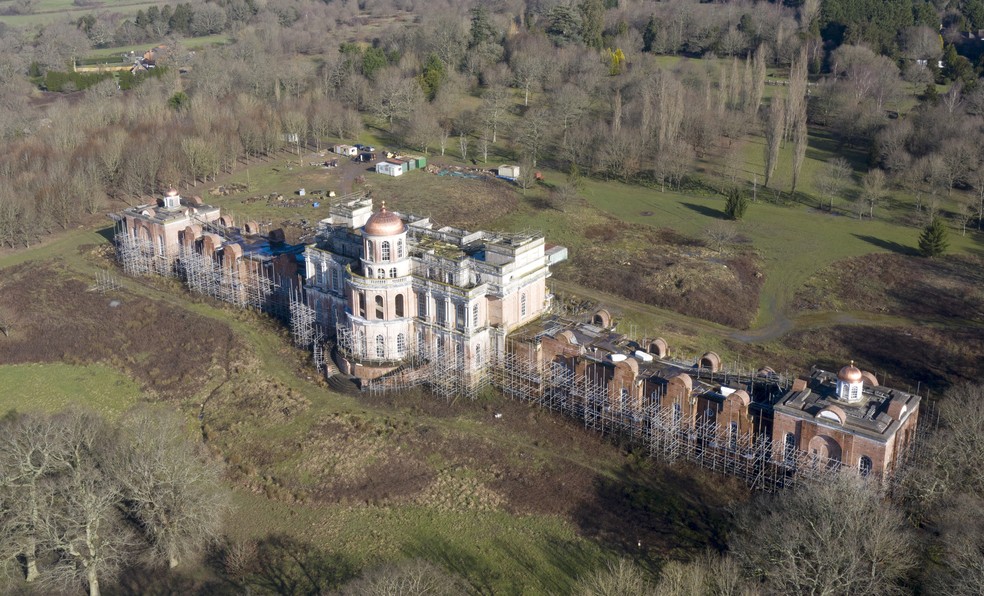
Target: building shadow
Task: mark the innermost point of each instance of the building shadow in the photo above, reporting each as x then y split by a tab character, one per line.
704	210
888	245
108	233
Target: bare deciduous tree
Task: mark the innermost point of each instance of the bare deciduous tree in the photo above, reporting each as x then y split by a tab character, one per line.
168	485
618	577
774	128
840	537
832	179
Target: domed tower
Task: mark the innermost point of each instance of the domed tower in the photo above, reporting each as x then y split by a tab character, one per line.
382	297
850	382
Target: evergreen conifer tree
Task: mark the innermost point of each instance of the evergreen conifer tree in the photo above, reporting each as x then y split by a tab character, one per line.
736	204
933	242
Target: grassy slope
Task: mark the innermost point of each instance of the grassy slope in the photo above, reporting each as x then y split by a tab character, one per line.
52	387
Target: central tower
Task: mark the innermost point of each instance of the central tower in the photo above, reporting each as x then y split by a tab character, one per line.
381	296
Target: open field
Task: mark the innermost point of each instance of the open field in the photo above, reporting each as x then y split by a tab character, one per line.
49	11
53	387
110	55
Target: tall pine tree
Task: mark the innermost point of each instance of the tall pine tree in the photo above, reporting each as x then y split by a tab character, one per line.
933	242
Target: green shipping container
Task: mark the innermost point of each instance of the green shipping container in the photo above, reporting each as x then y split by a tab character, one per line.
411	164
421	162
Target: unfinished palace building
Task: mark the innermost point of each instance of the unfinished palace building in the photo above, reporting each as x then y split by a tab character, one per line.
396	288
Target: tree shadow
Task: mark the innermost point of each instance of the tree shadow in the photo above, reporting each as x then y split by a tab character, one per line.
280	564
647	511
706	211
888	245
468	567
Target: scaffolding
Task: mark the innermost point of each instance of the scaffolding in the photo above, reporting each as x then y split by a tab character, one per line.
105	282
303	327
664	433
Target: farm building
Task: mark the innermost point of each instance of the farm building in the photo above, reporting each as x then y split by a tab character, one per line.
508	172
346	150
390	167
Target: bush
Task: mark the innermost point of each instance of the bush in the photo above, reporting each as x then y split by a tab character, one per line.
60	82
736	204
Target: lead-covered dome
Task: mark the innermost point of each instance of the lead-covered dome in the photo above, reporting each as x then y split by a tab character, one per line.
384	223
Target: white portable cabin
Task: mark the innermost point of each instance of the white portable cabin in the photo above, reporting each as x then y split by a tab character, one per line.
510	172
390	168
347	150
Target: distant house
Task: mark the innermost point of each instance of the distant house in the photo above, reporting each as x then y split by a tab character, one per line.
509	172
391	167
347	150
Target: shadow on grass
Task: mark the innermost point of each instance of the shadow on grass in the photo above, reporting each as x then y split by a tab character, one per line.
468	567
704	210
108	233
888	245
647	512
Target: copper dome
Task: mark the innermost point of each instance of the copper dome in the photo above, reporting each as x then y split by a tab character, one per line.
384	223
850	374
172	192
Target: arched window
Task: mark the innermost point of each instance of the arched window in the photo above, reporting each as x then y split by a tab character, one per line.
380	346
370	251
334	279
478	356
401	344
399	305
393	272
399	249
362	344
379	307
459	316
385	249
864	465
421	344
522	304
380	273
362	304
421	304
475	315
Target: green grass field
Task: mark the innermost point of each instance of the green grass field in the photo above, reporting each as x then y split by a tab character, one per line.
191	43
53	387
50	11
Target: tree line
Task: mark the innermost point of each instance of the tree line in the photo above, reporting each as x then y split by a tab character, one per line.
571	86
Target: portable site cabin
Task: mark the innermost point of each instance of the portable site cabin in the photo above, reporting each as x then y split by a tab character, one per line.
346	150
390	167
509	172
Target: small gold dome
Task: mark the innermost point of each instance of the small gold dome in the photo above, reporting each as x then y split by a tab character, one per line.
172	192
850	374
384	223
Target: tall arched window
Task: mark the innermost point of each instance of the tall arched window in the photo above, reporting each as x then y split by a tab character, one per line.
401	344
379	307
399	249
380	346
370	251
380	273
399	305
478	356
334	280
522	304
385	249
393	272
362	304
864	465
